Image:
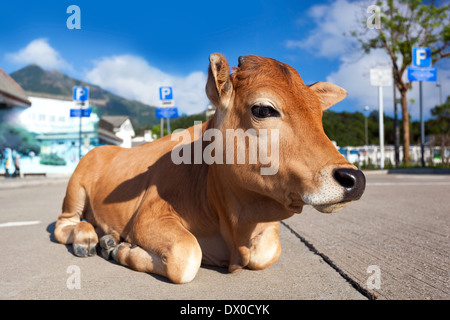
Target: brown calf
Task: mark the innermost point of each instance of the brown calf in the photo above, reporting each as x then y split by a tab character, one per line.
154	214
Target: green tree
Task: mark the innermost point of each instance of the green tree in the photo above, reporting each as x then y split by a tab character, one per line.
347	129
441	123
406	24
182	122
440	126
187	121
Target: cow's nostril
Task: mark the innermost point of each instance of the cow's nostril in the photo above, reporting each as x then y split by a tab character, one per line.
345	178
353	181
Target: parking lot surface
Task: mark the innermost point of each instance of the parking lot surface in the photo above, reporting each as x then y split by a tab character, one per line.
392	244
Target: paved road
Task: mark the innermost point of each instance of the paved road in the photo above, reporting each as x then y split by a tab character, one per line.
401	226
393	244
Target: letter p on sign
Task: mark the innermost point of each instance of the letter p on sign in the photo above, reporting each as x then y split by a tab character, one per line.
165	93
422	57
80	94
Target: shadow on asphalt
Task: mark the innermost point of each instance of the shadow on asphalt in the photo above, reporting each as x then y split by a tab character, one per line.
51	230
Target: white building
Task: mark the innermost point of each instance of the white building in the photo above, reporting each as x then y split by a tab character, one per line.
50	120
116	130
51	117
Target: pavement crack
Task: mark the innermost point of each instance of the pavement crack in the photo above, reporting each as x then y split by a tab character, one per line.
313	249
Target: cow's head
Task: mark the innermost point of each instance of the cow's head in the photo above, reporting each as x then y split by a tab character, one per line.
263	93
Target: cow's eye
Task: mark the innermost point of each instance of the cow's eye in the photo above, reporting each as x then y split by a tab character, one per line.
264	112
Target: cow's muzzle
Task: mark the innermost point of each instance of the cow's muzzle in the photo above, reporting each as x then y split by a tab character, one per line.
353	182
337	188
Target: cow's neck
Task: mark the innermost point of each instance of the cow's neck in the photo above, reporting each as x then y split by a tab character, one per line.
240	215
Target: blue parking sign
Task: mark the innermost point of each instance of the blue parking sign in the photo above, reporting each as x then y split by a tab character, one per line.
422	74
165	93
171	112
421	57
80	94
76	113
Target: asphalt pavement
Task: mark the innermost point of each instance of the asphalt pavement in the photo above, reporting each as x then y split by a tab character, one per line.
392	244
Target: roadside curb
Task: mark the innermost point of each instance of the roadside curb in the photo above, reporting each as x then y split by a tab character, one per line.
408	171
367	172
13	183
419	171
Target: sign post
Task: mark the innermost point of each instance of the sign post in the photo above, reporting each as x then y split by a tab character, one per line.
381	78
422	71
167	107
81	98
396	127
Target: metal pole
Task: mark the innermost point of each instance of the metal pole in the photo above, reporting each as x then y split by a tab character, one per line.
79	147
396	129
162	127
439	84
381	124
366	124
422	127
366	130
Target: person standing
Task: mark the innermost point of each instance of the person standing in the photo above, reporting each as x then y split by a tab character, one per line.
17	165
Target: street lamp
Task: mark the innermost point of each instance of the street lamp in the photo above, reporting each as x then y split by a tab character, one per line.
381	78
438	84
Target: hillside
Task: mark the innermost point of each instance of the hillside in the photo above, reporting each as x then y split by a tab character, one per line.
35	79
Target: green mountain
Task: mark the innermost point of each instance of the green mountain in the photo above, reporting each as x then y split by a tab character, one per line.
35	79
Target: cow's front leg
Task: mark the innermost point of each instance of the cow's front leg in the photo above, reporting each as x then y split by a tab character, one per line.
170	251
265	247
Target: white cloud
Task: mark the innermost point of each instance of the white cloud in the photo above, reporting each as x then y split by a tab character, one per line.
330	38
353	76
41	53
133	78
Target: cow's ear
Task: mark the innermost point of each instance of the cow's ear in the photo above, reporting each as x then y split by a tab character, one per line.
328	93
219	87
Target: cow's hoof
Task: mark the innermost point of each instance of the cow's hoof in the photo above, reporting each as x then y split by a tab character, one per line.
83	250
107	243
123	247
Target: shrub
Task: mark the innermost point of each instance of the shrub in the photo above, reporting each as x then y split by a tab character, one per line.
52	160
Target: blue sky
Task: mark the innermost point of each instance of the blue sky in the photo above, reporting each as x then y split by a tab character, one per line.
134	47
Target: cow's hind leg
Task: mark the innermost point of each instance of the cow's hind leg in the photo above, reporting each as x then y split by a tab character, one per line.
69	227
170	251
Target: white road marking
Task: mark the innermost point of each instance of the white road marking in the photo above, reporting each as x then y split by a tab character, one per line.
18	223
